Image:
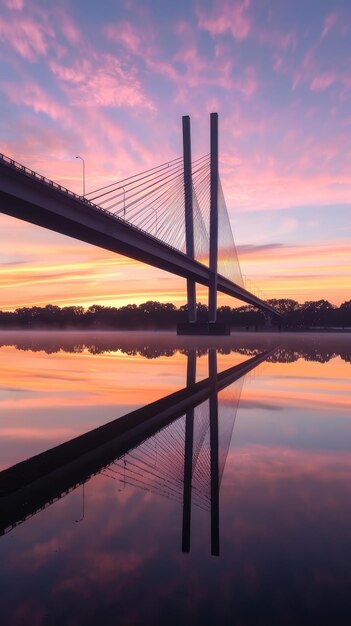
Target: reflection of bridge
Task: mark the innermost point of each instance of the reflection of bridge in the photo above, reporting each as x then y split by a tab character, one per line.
172	217
134	449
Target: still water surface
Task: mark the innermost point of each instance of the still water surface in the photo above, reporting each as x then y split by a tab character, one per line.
121	534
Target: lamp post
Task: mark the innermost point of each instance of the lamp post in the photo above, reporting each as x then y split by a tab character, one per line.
83	162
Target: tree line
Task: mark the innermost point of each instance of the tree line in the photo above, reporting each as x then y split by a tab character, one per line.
151	314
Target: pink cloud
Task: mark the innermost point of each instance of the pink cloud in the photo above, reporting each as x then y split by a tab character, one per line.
184	29
264	179
26	36
256	190
70	29
329	23
74	74
107	90
140	42
248	84
165	68
15	5
187	67
126	150
198	71
228	16
125	33
111	154
101	81
32	95
313	71
279	63
322	81
276	38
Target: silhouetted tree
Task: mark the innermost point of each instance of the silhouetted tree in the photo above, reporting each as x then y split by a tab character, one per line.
153	314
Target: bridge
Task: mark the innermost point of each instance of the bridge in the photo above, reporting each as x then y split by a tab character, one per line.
175	447
172	217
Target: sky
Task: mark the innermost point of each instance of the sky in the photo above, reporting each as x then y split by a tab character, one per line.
110	81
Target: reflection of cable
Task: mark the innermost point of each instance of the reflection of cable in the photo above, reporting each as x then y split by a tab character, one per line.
156	465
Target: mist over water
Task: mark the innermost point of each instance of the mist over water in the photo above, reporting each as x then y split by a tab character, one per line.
97	531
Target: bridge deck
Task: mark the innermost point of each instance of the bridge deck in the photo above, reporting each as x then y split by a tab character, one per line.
26	195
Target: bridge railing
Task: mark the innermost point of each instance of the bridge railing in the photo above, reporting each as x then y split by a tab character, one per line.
43	179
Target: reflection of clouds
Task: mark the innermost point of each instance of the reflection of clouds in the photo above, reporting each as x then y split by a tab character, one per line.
84	563
18	432
30	612
277	507
321	399
257	462
248	403
277	484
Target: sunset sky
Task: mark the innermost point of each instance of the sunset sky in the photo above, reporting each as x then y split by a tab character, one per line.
110	80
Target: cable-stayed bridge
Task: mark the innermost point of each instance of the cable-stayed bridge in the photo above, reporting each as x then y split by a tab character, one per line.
172	217
175	447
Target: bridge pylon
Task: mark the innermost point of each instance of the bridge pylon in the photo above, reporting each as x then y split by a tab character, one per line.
192	327
212	291
189	215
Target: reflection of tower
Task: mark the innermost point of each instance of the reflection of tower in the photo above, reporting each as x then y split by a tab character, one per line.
204	470
214	476
188	456
185	460
208	432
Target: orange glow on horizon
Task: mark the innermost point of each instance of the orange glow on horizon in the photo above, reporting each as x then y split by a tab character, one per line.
53	269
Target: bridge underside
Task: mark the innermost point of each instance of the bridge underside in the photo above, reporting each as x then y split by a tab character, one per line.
28	198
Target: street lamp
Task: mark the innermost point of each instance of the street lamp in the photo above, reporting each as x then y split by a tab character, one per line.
83	162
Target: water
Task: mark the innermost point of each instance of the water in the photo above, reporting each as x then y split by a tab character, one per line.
114	538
